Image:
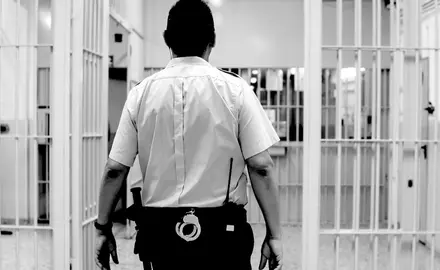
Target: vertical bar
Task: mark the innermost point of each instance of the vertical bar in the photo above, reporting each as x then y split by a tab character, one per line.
288	103
77	131
1	182
60	119
339	14
104	82
17	140
35	133
396	80
377	125
436	138
312	133
374	146
418	126
357	134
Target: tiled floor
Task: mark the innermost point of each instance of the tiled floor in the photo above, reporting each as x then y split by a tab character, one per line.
292	253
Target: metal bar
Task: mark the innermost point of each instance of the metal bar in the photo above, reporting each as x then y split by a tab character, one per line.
395	129
93	52
339	16
16	116
385	232
288	101
77	132
60	120
377	114
418	127
435	146
20	45
104	86
312	133
26	227
377	48
34	95
358	121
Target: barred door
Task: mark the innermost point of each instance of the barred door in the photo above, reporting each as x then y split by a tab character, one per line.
403	132
89	122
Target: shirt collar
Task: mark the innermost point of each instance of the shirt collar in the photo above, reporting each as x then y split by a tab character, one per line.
191	60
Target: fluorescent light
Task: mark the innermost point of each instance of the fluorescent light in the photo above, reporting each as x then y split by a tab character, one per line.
216	3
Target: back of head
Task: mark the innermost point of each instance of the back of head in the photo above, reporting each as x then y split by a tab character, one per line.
190	28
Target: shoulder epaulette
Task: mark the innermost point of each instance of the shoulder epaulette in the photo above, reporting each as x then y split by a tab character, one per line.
230	73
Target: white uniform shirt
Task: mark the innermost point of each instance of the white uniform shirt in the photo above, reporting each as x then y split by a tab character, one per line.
185	123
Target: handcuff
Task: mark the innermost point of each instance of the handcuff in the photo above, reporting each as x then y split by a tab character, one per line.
189	219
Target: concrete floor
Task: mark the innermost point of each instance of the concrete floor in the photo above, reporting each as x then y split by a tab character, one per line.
292	253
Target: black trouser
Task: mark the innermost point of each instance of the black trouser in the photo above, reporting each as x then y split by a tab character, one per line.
216	248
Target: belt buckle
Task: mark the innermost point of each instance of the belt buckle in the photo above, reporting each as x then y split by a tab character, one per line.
189	219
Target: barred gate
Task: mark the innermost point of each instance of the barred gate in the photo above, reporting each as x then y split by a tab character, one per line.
403	140
89	122
53	79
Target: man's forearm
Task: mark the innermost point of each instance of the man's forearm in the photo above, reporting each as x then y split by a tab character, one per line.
267	197
110	191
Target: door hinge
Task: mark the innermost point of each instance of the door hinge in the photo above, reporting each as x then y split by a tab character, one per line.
430	109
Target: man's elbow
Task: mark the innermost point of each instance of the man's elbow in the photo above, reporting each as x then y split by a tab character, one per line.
261	163
114	169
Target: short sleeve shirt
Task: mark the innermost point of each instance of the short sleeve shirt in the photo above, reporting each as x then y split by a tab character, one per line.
185	124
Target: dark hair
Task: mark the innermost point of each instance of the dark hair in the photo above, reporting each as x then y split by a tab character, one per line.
190	28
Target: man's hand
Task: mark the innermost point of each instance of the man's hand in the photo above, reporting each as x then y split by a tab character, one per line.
105	246
272	250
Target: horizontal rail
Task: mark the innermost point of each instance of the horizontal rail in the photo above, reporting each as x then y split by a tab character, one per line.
88	221
377	48
25	227
385	232
93	52
25	45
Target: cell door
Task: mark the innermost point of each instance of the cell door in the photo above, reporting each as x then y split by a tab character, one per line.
89	122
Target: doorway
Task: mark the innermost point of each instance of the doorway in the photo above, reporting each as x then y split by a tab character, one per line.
117	88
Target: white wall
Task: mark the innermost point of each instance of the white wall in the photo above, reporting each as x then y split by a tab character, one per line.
119	51
262	33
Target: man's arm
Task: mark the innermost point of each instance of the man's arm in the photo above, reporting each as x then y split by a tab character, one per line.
260	169
115	174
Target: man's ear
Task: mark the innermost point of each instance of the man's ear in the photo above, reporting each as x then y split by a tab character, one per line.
165	38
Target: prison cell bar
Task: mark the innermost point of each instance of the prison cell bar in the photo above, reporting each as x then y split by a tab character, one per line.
357	134
374	147
34	93
395	24
435	145
418	126
312	134
377	116
17	141
60	108
338	124
77	127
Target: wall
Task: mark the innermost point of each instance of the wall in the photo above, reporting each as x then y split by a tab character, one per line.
116	98
119	51
263	33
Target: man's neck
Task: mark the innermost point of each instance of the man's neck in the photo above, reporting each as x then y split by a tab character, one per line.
204	57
